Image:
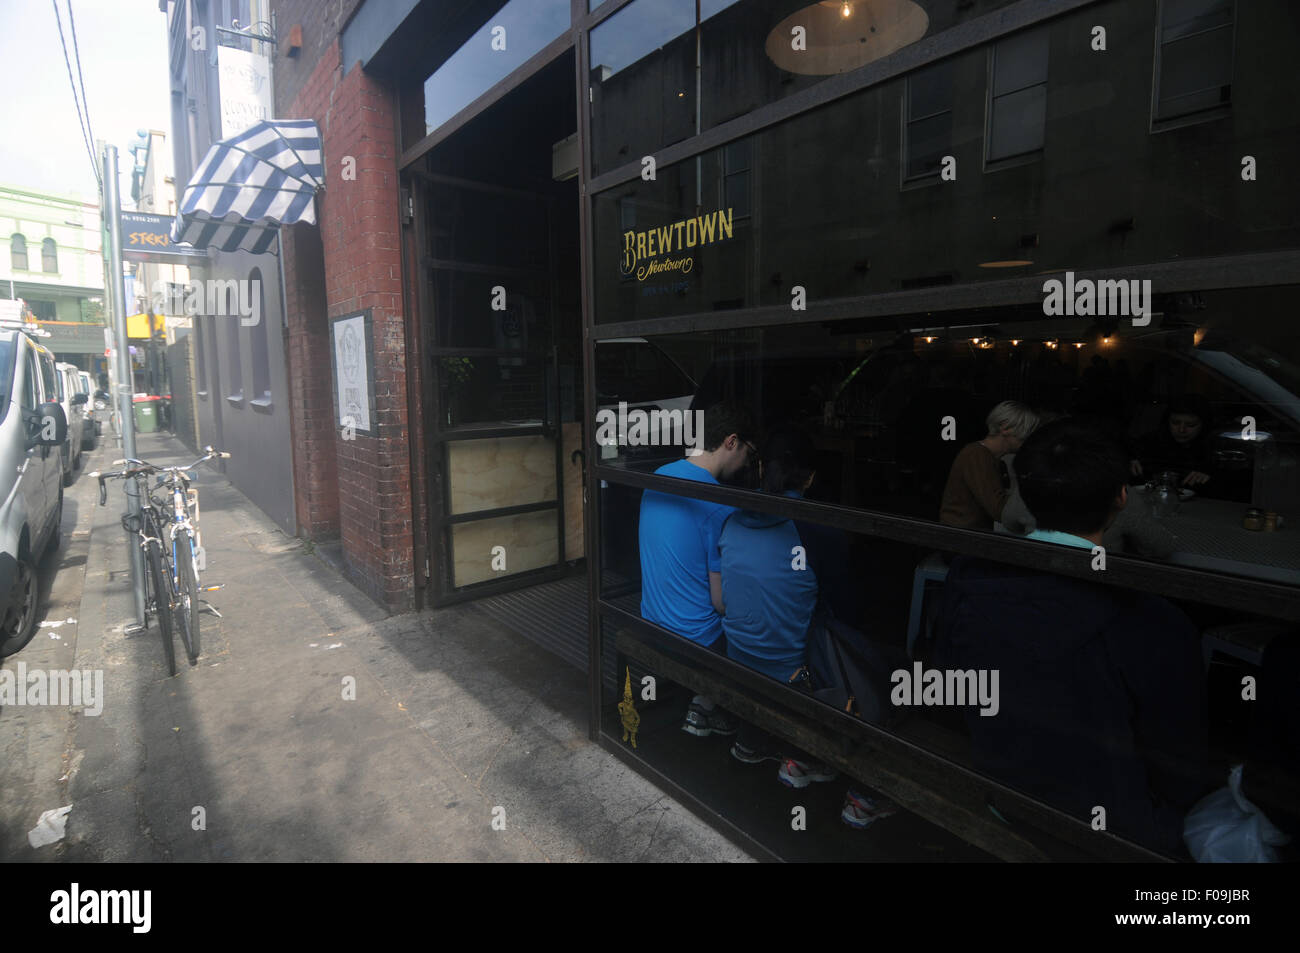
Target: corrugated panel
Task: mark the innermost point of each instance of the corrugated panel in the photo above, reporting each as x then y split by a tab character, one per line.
553	615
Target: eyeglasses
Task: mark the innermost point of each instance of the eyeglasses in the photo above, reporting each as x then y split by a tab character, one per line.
753	450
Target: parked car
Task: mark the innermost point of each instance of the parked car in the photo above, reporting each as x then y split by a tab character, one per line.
92	427
33	429
69	387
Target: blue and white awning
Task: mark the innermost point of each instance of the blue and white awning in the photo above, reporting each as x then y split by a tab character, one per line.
249	185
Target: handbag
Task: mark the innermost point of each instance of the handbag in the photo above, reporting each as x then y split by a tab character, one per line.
849	670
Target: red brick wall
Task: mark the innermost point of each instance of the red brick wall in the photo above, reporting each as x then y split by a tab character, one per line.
369	501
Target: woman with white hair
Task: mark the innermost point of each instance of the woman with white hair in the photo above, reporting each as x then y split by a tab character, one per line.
975	495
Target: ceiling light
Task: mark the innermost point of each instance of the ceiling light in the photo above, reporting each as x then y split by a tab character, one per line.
837	41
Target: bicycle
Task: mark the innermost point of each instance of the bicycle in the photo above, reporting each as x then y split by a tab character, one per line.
171	572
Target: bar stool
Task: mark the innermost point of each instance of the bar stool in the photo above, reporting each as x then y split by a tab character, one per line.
933	568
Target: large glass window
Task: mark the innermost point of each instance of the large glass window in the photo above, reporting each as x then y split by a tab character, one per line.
888	408
505	42
815	203
1194	65
659	76
891	403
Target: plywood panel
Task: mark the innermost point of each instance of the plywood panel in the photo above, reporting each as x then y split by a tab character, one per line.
504	471
529	540
574	541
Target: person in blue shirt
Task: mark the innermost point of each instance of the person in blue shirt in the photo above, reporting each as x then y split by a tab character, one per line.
681	587
772	572
769	593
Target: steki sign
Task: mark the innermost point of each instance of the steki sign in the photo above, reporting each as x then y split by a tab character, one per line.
147	237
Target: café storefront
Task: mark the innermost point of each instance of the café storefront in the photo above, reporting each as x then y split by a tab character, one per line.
846	216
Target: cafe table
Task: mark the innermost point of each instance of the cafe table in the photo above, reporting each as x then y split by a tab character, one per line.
1209	535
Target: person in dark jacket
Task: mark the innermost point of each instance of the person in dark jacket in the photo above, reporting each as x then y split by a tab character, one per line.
1102	688
1182	443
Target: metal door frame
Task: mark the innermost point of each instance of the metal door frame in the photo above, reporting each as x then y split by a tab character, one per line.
441	589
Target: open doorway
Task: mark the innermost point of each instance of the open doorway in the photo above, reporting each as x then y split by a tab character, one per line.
496	224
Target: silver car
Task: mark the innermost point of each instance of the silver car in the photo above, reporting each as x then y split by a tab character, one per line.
33	428
73	400
93	425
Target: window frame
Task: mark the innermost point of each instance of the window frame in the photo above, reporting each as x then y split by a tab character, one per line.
925	178
990	99
49	256
1205	114
18	246
259	339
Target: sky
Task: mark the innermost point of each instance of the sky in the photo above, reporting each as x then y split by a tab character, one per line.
123	46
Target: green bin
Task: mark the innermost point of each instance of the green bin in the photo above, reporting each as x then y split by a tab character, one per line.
146	415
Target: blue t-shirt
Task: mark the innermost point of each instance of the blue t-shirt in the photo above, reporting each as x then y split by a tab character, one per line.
679	546
769	590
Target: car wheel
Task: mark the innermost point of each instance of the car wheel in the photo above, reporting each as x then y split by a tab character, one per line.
19	622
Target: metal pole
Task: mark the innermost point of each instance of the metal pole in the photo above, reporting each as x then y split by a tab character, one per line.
112	210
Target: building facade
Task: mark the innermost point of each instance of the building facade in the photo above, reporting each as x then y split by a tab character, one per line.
240	376
53	262
871	222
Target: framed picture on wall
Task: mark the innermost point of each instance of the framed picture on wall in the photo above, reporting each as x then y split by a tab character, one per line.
352	344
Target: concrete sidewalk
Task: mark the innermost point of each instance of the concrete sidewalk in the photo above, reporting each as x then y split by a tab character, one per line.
452	719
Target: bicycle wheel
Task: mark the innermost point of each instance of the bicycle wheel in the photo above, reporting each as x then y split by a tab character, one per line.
161	600
187	595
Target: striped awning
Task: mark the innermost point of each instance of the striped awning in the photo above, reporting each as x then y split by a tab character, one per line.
249	185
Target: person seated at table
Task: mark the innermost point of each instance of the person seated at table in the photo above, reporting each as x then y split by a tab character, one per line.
771	568
1102	691
1134	530
678	542
976	492
1181	443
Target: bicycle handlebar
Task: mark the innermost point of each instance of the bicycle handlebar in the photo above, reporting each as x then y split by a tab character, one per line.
137	467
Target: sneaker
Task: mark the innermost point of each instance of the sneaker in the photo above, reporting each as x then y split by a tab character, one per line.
861	811
800	774
753	755
704	723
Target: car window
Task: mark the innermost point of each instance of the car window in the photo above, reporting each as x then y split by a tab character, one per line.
31	390
52	385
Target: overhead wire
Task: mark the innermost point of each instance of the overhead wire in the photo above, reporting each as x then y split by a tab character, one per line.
83	121
76	55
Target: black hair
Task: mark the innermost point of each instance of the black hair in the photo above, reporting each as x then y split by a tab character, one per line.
723	419
1189	404
789	459
1070	473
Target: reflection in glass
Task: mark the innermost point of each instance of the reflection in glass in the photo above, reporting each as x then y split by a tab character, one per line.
1018	107
636	31
842	35
491	55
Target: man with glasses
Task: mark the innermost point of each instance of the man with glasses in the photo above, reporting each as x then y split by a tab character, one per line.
681	581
